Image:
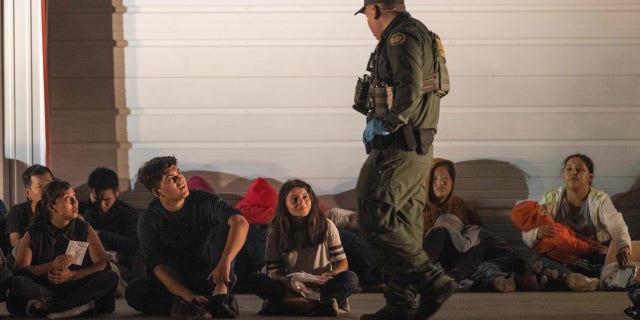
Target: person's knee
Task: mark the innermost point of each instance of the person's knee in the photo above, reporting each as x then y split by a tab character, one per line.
350	279
434	241
18	282
137	293
437	233
18	297
265	287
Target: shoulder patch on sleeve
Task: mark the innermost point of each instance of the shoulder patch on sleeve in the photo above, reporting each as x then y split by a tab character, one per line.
397	38
440	48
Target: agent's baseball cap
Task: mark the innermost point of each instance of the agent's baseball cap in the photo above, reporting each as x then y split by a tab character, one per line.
385	5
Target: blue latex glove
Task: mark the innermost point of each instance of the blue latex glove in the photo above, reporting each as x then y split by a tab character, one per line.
374	128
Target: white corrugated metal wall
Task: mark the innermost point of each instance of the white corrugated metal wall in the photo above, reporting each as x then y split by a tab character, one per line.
264	88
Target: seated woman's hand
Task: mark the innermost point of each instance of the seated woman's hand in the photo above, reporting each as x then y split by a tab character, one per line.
57	276
623	257
546	231
328	275
62	261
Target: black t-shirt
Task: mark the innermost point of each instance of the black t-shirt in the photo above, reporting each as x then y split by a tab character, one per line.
19	218
182	239
48	241
117	228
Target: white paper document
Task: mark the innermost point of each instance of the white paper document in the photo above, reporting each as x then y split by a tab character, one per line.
77	249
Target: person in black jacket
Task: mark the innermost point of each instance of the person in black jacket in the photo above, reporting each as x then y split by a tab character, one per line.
21	215
116	224
189	240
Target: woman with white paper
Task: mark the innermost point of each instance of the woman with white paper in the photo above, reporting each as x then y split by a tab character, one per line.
307	270
60	265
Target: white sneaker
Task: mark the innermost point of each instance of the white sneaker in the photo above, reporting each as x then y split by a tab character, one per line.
73	312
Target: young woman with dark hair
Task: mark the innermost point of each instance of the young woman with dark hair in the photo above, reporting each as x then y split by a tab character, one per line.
301	239
456	238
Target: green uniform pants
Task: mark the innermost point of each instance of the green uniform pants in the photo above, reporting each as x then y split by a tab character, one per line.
391	198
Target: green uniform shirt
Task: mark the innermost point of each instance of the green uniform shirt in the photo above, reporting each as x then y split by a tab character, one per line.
402	58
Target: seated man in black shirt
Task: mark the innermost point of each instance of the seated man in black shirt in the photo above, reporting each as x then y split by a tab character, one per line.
188	240
21	215
116	224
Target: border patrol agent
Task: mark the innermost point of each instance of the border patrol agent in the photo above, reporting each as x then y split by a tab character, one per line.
401	99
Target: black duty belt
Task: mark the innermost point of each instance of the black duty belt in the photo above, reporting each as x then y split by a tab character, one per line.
405	138
392	140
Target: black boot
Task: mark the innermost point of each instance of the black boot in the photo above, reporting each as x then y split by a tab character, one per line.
436	293
182	309
220	308
632	312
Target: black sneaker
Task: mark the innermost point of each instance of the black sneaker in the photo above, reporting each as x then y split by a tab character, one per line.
632	312
434	296
633	292
36	308
188	310
220	307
